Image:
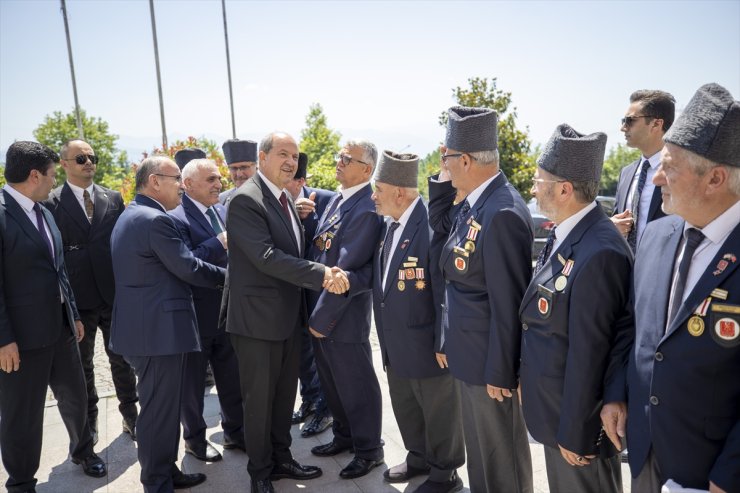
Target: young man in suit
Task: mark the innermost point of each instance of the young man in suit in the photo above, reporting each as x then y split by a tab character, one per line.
39	323
201	221
486	262
241	159
154	322
85	213
575	308
407	297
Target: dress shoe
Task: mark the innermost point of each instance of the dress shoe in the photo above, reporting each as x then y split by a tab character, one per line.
234	445
319	423
129	426
303	412
203	451
182	481
330	449
402	473
294	470
262	486
450	486
92	465
359	467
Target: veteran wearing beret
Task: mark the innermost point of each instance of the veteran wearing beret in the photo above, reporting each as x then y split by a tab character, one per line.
241	159
575	308
482	297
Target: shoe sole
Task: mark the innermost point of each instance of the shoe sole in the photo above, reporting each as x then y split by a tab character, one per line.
278	477
204	459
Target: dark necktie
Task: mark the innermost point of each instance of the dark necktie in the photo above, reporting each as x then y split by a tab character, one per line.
42	229
545	252
89	206
214	221
334	206
636	194
693	238
284	203
460	217
388	244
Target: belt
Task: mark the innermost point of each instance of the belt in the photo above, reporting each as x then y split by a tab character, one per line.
70	248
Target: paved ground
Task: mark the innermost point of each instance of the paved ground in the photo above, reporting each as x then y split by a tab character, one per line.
58	475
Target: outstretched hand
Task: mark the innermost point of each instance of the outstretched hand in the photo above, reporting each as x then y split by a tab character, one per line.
335	280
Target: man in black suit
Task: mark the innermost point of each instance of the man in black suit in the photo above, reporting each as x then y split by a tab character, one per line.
241	159
648	118
85	214
39	323
265	308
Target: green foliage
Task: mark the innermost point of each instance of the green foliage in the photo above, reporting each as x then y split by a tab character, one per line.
516	158
619	156
320	143
428	166
2	176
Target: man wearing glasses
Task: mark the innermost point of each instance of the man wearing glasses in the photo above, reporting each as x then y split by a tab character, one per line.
241	158
85	214
648	118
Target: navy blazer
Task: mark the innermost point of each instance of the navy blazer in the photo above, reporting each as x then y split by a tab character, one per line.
484	289
684	388
625	180
153	313
569	352
323	197
200	237
225	197
407	309
87	244
348	240
30	280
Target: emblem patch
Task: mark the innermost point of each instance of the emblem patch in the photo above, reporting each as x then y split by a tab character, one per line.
726	332
461	264
543	305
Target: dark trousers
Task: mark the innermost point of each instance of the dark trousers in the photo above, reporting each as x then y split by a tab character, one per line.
648	480
429	418
353	394
309	376
268	371
218	351
124	379
158	426
602	475
22	399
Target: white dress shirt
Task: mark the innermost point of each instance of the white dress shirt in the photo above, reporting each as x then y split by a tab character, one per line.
564	228
294	222
647	192
402	221
27	206
78	193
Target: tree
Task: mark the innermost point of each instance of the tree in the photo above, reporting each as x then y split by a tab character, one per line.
619	156
321	144
428	166
516	158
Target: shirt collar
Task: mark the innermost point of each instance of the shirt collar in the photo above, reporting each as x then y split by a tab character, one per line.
277	192
348	192
720	228
202	208
78	191
564	228
473	196
654	160
26	203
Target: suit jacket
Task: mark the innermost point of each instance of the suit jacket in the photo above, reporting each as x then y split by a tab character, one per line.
30	280
348	240
684	390
264	297
407	310
87	244
569	335
225	197
484	290
201	239
625	180
312	221
153	313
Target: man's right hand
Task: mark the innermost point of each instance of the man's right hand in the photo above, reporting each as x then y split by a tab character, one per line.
624	222
222	238
335	280
614	420
10	359
444	174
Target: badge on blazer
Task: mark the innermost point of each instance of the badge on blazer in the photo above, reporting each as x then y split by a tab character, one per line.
726	260
695	326
461	264
401	285
420	285
720	294
725	327
560	283
413	259
544	301
409	264
327	245
410	274
405	244
470	246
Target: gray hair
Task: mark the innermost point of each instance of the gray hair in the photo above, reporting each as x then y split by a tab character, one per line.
369	151
585	191
701	165
196	165
148	167
486	158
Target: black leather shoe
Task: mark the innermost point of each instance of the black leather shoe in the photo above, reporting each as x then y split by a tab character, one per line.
203	451
229	445
262	486
359	467
330	449
181	481
454	484
403	477
92	465
303	412
294	470
129	426
319	423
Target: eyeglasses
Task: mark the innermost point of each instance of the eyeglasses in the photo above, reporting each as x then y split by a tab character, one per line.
447	156
541	180
178	178
346	159
627	121
238	169
82	159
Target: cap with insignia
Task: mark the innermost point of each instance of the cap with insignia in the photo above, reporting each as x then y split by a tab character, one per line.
471	129
184	156
238	151
302	166
574	156
398	170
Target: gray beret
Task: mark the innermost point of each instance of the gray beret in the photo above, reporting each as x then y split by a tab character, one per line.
709	126
238	151
399	170
574	156
184	156
302	166
471	129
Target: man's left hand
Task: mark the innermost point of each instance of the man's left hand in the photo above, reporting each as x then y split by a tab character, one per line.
574	459
305	206
316	334
80	330
498	393
614	419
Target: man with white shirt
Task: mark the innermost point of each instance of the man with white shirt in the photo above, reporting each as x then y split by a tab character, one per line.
648	118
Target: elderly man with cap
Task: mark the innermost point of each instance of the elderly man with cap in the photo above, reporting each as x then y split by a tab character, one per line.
241	158
575	308
486	263
407	297
684	390
184	156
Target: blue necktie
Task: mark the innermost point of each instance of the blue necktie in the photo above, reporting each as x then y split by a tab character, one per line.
214	221
632	235
545	252
388	244
693	238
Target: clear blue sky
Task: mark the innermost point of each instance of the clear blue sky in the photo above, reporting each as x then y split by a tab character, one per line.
381	70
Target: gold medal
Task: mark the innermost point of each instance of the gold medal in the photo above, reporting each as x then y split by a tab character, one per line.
470	246
696	326
401	285
420	285
560	283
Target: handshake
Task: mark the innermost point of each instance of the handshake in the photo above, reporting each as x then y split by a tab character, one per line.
335	280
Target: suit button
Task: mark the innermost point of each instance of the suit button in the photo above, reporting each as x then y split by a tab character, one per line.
525	326
446	281
658	356
654	400
382	305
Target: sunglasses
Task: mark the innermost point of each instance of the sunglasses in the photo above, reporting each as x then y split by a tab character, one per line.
346	159
82	159
627	121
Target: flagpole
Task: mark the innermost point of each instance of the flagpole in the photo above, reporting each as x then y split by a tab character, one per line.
159	77
228	70
78	117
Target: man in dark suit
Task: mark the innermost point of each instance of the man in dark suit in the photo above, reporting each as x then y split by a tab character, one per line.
39	323
486	263
201	222
684	420
241	158
347	235
154	322
407	297
265	308
648	118
85	214
575	308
